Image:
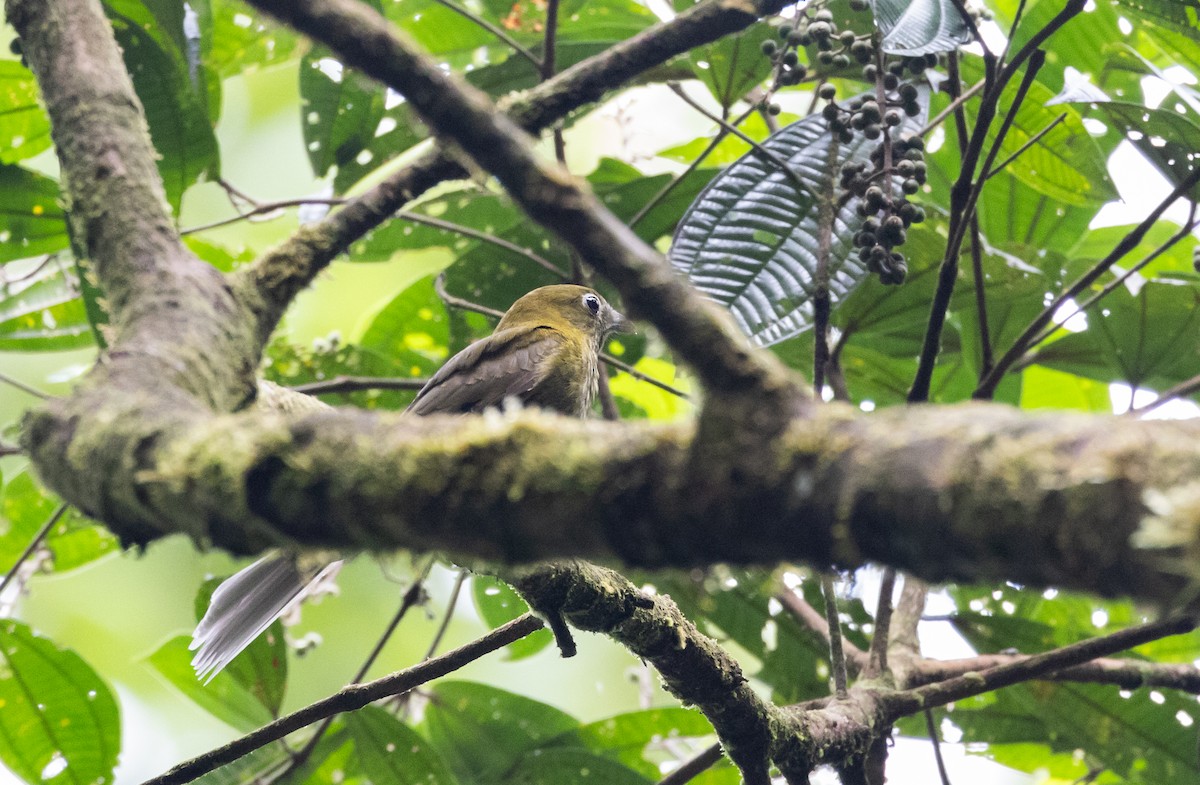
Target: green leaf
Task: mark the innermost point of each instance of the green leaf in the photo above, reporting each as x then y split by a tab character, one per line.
238	37
60	722
225	697
262	667
628	737
390	751
412	330
917	27
44	312
750	240
484	732
176	107
1166	137
1151	339
554	767
340	111
31	222
73	542
25	131
498	604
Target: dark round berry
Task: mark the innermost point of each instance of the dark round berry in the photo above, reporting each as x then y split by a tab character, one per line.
871	225
858	5
841	61
918	215
784	31
890	81
896	68
908	91
931	60
870	72
14	46
797	38
790	58
873	196
893	118
825	58
827	91
824	15
912	109
910	186
774	109
829	111
819	30
872	131
862	51
906	168
847	37
769	47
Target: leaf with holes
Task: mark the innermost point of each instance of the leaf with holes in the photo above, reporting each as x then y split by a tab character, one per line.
750	240
341	109
26	129
917	27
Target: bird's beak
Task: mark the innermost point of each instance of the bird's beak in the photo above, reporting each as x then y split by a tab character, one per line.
618	323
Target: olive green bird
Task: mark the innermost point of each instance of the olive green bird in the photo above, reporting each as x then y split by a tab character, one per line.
545	352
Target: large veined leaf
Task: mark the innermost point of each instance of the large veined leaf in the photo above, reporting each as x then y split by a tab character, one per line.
750	240
60	723
917	27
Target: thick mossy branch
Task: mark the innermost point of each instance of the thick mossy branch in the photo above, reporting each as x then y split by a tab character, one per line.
694	668
172	313
974	492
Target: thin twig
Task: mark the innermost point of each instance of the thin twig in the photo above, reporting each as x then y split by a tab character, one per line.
263	208
907	702
348	384
7	450
935	740
32	546
1030	143
459	580
837	657
694	767
410	599
1127	243
1113	285
496	31
350	698
23	387
1181	390
877	663
693	166
955	106
491	239
964	196
779	163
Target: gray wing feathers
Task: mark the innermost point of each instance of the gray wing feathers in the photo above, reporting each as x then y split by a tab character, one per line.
242	607
509	363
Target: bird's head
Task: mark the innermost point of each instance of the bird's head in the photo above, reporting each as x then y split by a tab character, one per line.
567	308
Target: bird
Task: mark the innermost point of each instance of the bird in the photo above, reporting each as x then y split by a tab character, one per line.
544	352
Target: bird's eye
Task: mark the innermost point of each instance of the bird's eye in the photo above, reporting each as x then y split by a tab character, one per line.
592	302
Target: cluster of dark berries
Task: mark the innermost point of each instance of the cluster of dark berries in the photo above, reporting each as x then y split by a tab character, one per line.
886	217
812	28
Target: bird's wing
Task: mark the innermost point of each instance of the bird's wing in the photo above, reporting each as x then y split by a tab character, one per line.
510	362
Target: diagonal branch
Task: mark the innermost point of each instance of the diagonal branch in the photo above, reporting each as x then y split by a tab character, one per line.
287	269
